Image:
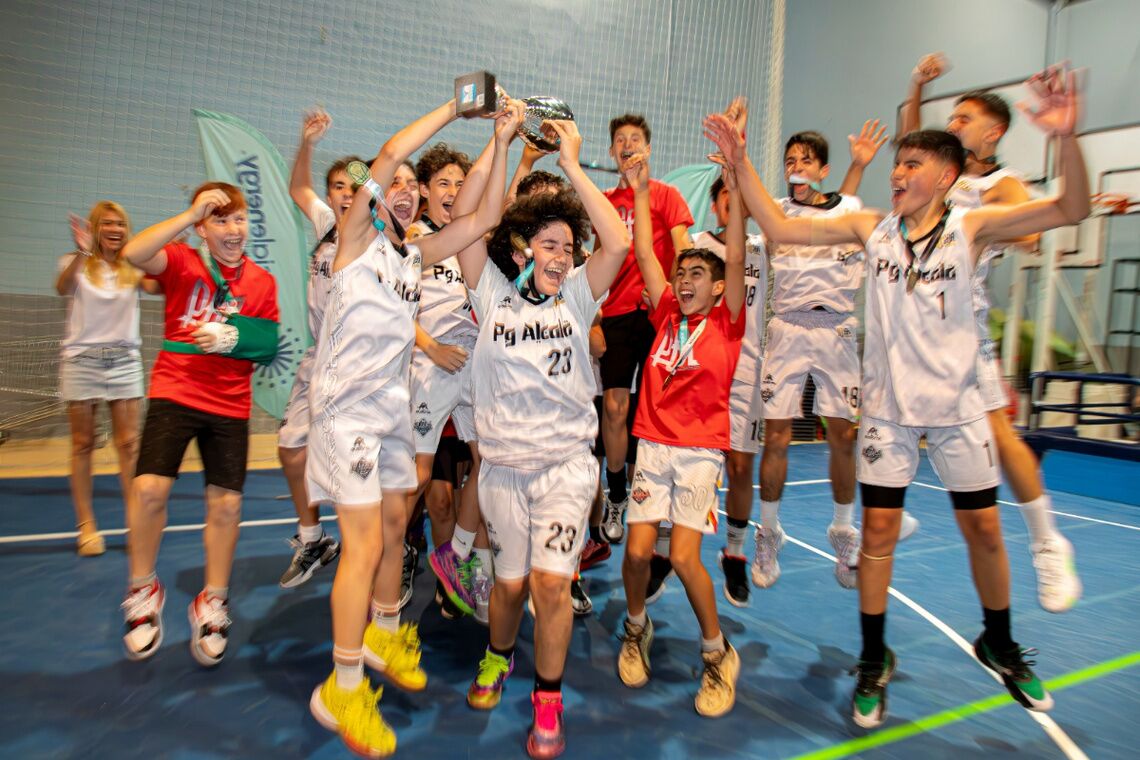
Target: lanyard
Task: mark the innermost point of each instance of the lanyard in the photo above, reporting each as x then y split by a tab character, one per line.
913	259
687	341
221	284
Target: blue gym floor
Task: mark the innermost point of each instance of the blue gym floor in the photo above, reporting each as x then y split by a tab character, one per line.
69	692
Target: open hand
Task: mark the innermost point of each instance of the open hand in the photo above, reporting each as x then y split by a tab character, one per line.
867	144
314	124
929	68
1058	100
80	232
724	132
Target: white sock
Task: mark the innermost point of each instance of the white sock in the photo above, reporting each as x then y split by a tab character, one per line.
664	533
349	666
218	592
1038	519
736	537
142	581
486	559
637	619
462	541
309	533
843	515
386	618
715	644
770	514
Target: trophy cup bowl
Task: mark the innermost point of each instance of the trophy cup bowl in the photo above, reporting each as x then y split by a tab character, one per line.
540	108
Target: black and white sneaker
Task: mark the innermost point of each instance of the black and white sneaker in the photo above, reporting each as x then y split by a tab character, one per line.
411	560
736	588
308	558
580	601
660	569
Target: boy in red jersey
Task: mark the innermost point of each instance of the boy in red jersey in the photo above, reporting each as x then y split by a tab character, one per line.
199	389
683	428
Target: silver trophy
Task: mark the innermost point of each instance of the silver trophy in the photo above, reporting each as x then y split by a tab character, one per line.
540	108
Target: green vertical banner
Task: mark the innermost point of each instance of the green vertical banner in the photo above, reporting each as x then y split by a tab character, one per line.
694	182
237	153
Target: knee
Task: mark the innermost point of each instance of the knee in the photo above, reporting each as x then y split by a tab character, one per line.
638	557
292	460
82	443
615	409
395	524
983	531
549	588
684	561
149	495
777	438
880	531
841	437
739	469
127	444
509	591
224	509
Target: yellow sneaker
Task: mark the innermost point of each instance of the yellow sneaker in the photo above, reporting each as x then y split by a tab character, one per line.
353	715
396	656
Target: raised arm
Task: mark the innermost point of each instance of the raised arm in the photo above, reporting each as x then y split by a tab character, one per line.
636	173
1056	114
929	68
408	140
144	250
734	248
613	238
778	228
465	230
313	127
81	234
863	150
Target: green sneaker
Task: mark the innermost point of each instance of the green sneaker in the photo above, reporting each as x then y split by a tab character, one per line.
487	688
1022	683
869	702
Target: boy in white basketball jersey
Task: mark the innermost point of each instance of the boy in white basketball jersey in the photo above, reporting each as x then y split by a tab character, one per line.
535	419
361	454
312	548
979	121
683	428
919	368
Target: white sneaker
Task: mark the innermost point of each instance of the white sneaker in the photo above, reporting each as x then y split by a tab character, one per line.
766	564
717	694
845	540
633	659
209	629
909	526
613	528
142	614
1058	587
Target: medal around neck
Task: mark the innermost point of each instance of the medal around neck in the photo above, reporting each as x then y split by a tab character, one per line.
540	108
358	172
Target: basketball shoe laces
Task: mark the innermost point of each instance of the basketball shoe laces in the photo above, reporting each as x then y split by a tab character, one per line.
547	711
712	678
491	668
141	605
216	618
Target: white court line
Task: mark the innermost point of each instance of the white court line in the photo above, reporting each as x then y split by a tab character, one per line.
1055	732
1015	504
167	529
756	486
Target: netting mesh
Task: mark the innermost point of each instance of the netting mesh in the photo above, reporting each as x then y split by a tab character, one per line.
98	98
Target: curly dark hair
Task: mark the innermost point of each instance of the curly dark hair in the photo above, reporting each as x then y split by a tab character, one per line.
438	157
528	216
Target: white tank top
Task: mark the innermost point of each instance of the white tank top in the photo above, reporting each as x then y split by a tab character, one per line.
102	314
534	380
919	357
320	264
445	308
804	277
366	340
755	291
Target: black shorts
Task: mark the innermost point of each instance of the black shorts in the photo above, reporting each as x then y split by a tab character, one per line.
629	339
631	444
223	443
451	454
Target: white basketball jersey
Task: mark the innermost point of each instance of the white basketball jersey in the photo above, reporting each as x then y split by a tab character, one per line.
755	291
367	337
534	381
320	264
445	306
804	277
919	356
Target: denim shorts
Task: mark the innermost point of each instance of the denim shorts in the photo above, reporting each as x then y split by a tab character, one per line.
101	373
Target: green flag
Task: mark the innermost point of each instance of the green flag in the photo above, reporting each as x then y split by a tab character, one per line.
237	153
694	182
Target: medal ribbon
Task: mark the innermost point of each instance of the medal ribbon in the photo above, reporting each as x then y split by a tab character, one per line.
913	260
687	342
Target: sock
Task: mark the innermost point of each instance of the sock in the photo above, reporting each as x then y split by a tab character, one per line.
1038	519
462	541
506	654
596	534
664	533
737	532
349	667
486	559
770	514
638	619
309	533
547	684
715	644
386	618
616	482
843	515
874	647
143	581
218	592
997	634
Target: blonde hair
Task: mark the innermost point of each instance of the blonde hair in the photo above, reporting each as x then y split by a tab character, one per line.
126	274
